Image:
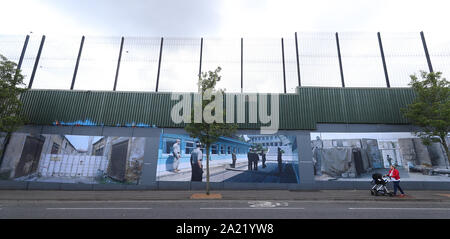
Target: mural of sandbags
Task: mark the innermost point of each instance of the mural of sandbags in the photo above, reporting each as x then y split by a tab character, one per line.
73	158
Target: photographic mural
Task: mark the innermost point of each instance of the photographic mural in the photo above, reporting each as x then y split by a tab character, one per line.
73	158
240	158
356	156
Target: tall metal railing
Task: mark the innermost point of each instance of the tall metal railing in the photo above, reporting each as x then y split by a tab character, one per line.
248	65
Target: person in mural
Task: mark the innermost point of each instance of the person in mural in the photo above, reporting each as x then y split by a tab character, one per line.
255	160
389	159
280	160
176	152
233	159
196	163
395	177
263	157
250	159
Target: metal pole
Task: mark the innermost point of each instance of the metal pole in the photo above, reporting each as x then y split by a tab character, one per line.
200	67
340	59
298	60
118	64
36	62
383	60
78	62
22	55
242	65
284	68
201	52
159	64
24	49
427	55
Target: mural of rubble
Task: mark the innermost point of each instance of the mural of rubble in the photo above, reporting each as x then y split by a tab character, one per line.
73	158
356	156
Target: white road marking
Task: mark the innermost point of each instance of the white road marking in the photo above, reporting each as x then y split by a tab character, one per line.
398	208
98	208
252	208
267	204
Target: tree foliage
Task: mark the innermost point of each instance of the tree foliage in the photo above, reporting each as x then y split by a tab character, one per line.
206	132
431	108
11	86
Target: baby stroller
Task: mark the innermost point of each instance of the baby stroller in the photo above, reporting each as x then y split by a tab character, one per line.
379	187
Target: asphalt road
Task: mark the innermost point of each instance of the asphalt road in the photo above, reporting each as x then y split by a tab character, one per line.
223	209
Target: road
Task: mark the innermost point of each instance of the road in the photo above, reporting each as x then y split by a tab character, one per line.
223	209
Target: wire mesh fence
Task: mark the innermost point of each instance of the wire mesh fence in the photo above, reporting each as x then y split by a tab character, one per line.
269	65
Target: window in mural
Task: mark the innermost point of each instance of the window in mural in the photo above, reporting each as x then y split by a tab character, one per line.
168	143
55	148
189	147
356	156
73	159
214	149
239	158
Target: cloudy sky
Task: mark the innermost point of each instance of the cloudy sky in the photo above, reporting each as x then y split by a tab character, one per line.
214	18
222	24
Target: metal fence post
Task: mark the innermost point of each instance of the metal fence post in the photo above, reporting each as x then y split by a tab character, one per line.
284	68
22	55
200	67
298	60
340	59
159	64
383	60
36	62
242	65
427	55
118	64
77	64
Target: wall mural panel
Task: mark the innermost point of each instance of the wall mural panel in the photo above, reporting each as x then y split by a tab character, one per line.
356	156
73	159
240	158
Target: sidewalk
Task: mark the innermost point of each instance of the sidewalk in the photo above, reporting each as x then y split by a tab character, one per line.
320	195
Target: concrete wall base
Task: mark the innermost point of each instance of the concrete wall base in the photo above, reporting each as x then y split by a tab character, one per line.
196	186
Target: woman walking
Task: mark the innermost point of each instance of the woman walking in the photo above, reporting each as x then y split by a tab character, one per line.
395	177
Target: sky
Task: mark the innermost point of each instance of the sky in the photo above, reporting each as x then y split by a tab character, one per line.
261	23
214	18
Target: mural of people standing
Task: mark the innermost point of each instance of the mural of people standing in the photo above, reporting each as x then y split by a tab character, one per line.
176	151
250	159
280	160
255	160
196	164
233	159
389	159
264	159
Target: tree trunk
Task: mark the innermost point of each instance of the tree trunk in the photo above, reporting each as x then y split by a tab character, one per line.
207	169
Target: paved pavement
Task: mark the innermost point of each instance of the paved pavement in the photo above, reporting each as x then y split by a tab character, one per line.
245	204
319	195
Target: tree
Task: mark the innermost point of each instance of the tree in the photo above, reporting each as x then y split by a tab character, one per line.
431	108
11	81
208	132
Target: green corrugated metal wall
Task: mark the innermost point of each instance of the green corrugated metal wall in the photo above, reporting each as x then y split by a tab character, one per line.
297	111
